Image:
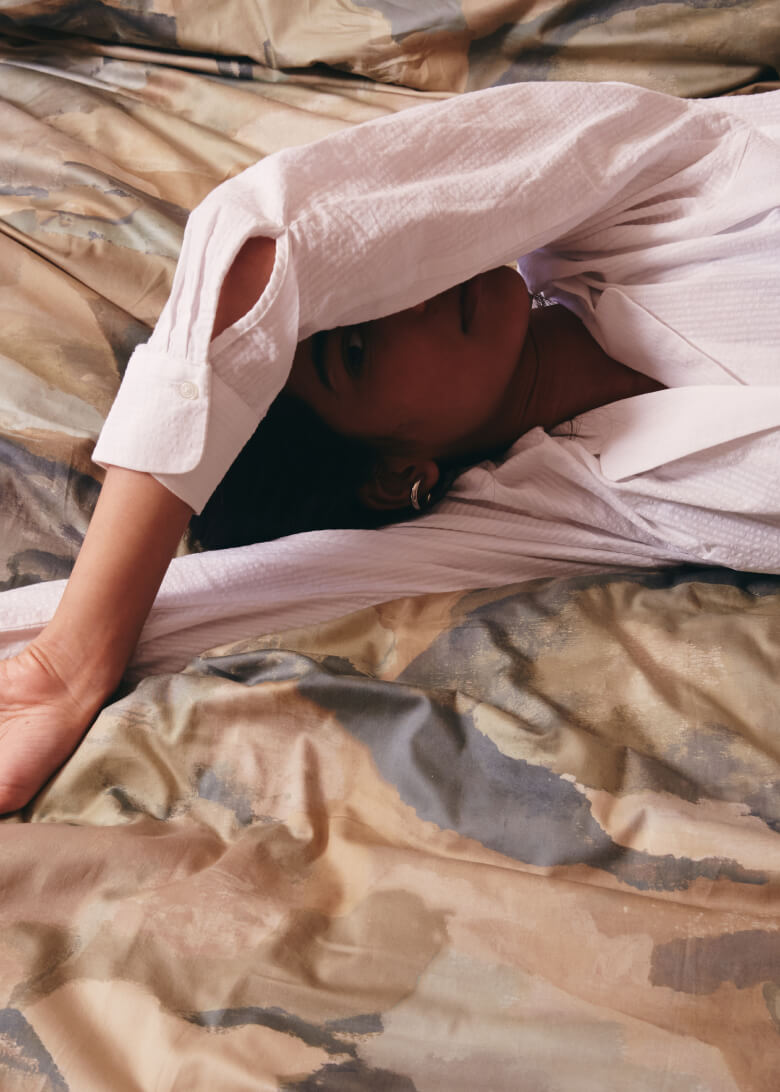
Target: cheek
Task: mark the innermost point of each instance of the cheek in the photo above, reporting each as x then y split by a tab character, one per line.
442	394
435	383
431	370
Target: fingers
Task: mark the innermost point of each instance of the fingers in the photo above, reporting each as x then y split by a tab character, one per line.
21	771
14	795
17	786
40	726
33	746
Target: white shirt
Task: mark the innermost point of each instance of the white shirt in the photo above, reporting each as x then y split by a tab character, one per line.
655	219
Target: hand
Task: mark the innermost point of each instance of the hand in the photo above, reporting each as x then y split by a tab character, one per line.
41	723
51	691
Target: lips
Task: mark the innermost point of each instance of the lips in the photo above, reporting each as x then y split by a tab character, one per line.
469	302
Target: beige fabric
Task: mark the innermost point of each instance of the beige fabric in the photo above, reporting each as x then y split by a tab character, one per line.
691	49
241	887
519	839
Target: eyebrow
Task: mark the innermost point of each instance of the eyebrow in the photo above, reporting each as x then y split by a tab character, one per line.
319	344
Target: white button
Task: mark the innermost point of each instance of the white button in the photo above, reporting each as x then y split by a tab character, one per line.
188	390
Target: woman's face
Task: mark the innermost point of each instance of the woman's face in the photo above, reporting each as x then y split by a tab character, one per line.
442	379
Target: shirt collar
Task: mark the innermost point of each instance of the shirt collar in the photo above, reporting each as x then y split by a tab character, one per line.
641	433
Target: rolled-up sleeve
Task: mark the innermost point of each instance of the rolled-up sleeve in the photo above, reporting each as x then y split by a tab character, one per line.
367	222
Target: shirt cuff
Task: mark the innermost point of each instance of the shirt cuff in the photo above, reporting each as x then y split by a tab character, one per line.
185	422
231	423
158	418
178	421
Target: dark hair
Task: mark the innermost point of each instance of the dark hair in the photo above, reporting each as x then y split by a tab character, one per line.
294	474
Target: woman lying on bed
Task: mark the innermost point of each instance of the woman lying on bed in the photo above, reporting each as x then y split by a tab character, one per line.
376	419
653	222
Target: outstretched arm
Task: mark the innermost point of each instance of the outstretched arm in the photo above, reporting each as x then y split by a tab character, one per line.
53	689
50	693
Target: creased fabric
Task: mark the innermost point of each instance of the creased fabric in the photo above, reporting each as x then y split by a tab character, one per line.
517	838
463	841
691	49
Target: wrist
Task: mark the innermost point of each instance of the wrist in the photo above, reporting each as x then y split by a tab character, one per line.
86	667
133	534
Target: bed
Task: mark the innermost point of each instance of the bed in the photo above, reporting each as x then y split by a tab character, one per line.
498	839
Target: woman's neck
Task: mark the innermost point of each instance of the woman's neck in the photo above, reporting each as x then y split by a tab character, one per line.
572	373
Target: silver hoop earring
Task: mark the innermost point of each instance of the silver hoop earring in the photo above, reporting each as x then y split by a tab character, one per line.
414	496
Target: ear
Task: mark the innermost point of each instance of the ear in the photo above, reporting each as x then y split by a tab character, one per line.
391	484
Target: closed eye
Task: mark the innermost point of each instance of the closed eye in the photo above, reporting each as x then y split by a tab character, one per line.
353	350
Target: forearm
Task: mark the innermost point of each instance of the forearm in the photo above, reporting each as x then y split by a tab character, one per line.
131	539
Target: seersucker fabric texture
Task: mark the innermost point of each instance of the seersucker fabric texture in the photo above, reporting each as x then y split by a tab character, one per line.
654	219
